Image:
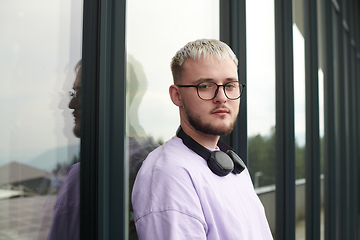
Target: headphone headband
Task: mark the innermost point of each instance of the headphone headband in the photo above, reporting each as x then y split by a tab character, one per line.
192	144
220	162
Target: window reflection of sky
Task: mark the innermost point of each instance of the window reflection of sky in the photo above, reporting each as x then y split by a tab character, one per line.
261	73
40	45
260	67
151	49
299	86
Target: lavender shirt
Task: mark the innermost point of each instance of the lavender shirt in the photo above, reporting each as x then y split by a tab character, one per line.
176	196
66	220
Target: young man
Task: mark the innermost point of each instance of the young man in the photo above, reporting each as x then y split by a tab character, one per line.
66	217
186	188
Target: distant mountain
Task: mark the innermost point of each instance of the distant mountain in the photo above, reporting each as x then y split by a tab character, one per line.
22	156
49	159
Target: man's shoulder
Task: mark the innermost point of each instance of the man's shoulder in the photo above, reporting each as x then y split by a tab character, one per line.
173	144
170	164
74	169
165	182
68	195
171	155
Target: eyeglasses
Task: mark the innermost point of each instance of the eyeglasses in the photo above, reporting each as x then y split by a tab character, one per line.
208	90
74	93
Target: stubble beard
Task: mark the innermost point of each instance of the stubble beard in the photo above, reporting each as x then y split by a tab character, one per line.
207	128
77	130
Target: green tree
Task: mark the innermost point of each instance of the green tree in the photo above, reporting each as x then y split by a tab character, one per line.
261	150
262	158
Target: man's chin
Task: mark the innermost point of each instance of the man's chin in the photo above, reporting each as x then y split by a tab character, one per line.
222	131
77	131
214	130
211	126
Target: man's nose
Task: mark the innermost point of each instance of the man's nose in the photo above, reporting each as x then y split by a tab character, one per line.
72	103
220	95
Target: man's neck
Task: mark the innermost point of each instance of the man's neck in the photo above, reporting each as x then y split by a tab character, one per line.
206	140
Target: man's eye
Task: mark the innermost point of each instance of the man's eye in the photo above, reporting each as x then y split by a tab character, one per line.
205	85
231	85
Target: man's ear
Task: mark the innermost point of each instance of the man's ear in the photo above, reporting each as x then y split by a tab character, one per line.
175	95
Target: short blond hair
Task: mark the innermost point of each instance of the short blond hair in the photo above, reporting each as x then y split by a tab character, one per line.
78	66
197	49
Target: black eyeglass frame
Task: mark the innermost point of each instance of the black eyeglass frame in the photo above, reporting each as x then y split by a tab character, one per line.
217	89
74	93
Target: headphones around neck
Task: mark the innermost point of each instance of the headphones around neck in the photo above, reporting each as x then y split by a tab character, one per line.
220	162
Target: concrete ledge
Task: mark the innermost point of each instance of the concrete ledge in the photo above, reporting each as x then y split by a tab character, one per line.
267	197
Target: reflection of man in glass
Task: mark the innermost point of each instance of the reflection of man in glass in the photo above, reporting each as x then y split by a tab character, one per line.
75	102
66	221
189	188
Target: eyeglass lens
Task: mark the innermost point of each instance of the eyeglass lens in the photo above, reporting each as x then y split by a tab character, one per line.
74	93
208	90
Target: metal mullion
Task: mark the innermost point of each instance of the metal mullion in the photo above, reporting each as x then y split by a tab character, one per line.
351	204
357	160
340	138
356	169
285	139
353	145
354	160
233	32
89	122
313	207
330	214
240	137
357	110
113	167
346	84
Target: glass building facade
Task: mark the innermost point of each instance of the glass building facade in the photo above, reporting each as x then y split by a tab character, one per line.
85	83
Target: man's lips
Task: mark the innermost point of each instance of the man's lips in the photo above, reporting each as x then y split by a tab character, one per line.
220	112
76	115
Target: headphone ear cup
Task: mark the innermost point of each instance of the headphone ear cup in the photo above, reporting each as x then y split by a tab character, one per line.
220	163
239	165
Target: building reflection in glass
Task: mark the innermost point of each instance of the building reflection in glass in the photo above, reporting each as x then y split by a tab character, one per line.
40	45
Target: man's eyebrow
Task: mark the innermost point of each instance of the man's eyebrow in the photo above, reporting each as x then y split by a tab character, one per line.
232	79
212	80
204	80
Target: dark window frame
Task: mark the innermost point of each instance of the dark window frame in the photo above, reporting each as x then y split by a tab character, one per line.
104	212
233	32
285	139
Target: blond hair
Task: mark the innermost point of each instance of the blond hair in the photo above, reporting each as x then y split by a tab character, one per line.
196	50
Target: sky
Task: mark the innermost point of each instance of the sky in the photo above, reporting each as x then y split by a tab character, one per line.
40	45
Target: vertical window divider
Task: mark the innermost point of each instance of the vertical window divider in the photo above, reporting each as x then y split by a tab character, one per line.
313	203
340	129
330	214
113	160
356	169
89	122
285	139
233	32
349	125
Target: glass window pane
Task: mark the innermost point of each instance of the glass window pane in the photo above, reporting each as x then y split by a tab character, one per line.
299	116
40	46
261	101
300	128
152	118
